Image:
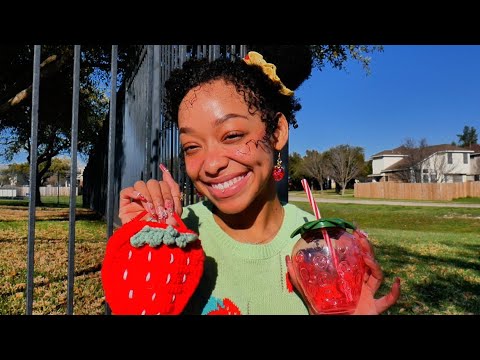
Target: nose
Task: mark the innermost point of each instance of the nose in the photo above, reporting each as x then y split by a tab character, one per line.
215	161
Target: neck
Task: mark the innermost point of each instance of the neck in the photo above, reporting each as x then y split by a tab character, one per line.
258	224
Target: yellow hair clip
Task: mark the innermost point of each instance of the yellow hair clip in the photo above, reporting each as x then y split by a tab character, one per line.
254	58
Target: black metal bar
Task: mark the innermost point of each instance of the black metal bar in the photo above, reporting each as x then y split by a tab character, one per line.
33	177
148	119
156	101
161	137
182	54
73	179
111	146
210	53
216	51
137	67
243	51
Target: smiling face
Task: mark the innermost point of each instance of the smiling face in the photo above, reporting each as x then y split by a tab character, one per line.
226	154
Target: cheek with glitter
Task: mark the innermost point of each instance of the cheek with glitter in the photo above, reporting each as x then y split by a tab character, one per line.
250	147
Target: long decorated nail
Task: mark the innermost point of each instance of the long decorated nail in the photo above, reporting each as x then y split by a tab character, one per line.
151	209
138	195
163	168
169	206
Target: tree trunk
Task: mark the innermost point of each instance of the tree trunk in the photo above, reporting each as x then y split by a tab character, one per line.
38	200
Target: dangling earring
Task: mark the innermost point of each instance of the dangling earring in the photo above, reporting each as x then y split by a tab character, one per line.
278	170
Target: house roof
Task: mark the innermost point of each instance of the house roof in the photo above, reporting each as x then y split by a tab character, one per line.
428	151
475	148
397	151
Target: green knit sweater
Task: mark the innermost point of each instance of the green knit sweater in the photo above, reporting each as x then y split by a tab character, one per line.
243	278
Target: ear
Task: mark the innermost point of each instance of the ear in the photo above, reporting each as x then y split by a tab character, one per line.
280	135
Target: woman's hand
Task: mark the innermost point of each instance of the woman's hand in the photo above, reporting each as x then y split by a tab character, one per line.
373	278
159	198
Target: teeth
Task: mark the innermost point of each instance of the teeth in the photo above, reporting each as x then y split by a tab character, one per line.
227	184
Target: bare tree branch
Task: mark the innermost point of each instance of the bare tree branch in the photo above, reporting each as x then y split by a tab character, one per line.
49	66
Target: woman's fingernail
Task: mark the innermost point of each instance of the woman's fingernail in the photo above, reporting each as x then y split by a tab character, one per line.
162	214
169	206
151	209
163	168
137	195
160	211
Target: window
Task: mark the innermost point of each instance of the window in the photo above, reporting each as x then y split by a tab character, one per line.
425	178
465	158
450	158
433	178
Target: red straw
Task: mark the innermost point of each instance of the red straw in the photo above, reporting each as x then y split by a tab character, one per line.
316	211
313	204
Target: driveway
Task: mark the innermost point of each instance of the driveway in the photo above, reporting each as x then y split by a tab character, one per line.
385	202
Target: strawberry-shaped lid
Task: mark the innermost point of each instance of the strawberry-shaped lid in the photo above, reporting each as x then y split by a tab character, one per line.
151	268
321	224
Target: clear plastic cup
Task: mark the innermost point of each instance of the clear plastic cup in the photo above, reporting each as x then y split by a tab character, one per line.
330	288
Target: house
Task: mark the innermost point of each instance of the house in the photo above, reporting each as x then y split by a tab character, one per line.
475	162
429	164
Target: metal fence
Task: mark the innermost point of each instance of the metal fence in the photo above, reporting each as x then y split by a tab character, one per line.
136	140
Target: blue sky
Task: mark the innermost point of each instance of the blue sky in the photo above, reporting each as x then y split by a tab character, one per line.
413	91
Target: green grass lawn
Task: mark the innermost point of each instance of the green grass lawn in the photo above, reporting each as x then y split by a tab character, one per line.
331	194
48	201
435	251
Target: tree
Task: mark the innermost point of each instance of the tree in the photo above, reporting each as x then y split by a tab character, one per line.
16	174
468	137
58	171
411	167
295	173
440	166
367	170
55	107
345	162
5	179
315	165
295	62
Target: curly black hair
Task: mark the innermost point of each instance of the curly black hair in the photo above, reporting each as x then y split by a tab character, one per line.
259	92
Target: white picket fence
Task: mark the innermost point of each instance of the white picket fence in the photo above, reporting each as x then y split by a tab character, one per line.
23	191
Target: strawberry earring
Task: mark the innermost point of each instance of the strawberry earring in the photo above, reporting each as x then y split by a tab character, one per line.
278	170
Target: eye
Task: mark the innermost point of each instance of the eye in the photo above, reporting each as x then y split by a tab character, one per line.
190	149
233	136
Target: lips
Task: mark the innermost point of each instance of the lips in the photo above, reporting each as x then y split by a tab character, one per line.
229	187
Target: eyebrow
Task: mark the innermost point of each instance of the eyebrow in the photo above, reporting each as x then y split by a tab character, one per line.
218	122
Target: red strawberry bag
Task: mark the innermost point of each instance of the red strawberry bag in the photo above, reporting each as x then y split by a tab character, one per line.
151	268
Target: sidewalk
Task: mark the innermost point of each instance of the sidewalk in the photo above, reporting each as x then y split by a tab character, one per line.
385	202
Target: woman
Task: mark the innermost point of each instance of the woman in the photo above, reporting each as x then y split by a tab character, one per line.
233	120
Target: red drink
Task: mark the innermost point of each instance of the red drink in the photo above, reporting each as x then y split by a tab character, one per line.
328	287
